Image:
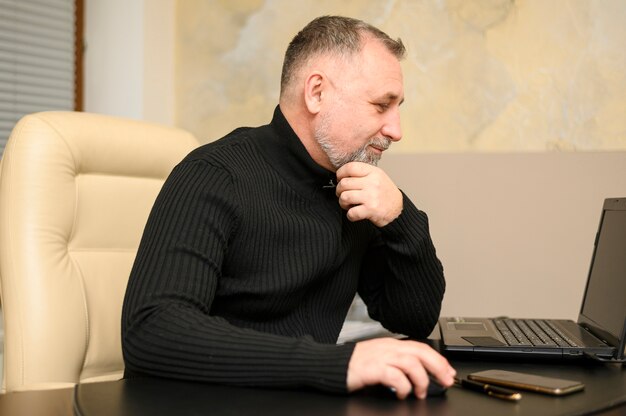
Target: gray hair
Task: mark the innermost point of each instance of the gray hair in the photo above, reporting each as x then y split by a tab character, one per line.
338	35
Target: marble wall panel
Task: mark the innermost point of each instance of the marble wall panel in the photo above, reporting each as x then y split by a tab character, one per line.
480	75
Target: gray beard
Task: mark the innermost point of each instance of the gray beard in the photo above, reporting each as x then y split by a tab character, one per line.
339	158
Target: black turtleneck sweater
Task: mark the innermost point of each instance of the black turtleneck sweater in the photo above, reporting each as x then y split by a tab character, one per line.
248	265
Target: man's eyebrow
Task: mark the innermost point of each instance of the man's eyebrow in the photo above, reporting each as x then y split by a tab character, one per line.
393	97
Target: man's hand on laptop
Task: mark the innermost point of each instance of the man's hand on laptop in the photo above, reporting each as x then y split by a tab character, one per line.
400	365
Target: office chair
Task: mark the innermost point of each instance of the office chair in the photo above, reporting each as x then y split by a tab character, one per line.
75	193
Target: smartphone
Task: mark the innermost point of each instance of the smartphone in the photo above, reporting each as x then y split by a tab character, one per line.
532	382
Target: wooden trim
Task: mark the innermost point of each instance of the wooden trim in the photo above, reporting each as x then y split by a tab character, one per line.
79	26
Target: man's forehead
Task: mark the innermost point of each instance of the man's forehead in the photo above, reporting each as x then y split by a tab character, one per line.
382	67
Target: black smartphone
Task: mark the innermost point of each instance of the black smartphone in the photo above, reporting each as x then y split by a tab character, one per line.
524	381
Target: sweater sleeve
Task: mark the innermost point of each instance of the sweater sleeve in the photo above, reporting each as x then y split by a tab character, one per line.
402	282
167	326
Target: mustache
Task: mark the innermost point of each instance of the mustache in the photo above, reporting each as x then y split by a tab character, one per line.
380	142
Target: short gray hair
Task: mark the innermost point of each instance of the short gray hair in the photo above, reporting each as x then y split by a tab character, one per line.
335	35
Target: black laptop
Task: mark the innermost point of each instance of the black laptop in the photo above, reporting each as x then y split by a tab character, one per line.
600	330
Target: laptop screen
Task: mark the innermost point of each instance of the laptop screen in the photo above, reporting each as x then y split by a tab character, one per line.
604	308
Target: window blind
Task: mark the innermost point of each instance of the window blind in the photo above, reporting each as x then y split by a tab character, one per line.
36	59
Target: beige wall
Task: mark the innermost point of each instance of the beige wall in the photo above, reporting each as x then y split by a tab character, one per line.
514	231
481	75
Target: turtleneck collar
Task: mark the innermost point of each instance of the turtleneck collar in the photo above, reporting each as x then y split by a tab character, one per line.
285	151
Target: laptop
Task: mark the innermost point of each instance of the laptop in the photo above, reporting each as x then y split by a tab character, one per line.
600	331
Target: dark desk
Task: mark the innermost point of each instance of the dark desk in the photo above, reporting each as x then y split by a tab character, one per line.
605	392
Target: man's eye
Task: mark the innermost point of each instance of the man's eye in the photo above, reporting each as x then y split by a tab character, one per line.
382	106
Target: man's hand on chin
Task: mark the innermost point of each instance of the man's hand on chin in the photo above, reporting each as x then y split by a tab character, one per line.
367	192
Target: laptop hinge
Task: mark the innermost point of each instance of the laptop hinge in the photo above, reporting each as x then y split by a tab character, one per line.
618	357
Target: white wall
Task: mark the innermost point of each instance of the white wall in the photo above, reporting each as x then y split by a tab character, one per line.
129	58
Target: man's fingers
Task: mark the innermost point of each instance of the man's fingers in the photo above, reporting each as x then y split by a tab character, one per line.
347	199
432	363
435	363
396	380
410	365
356	213
352	184
348	184
417	360
369	186
353	169
401	365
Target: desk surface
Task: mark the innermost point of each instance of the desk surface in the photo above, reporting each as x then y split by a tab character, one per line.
605	392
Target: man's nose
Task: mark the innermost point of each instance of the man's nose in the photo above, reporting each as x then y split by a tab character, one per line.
392	128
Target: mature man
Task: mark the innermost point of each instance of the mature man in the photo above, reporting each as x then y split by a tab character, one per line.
259	241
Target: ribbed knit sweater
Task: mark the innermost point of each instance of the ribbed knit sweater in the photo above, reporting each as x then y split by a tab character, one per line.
248	265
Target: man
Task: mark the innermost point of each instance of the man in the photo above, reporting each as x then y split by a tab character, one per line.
252	255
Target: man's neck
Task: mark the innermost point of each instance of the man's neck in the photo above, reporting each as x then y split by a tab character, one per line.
302	124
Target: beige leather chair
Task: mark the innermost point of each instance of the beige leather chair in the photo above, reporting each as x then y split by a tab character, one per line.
75	192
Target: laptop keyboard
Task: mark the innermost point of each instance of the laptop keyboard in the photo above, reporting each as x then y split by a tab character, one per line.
533	332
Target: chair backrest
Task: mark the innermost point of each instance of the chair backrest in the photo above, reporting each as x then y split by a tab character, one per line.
75	192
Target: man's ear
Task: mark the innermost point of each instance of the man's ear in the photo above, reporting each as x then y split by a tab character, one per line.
313	91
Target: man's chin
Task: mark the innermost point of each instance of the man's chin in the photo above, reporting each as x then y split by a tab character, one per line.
363	156
372	157
369	160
